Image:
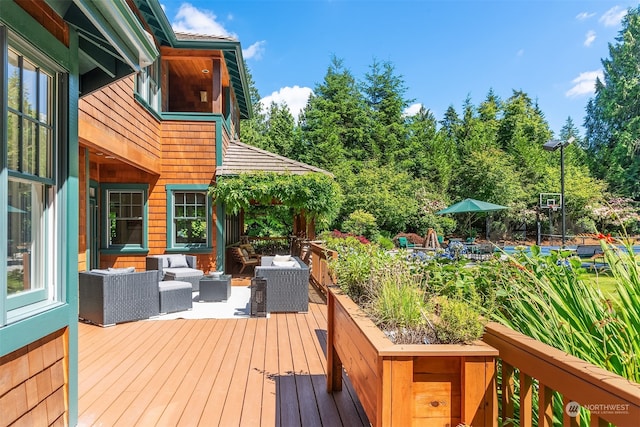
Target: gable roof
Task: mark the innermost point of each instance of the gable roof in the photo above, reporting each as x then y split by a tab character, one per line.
241	157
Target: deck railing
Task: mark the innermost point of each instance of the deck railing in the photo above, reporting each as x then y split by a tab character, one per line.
534	368
541	369
318	267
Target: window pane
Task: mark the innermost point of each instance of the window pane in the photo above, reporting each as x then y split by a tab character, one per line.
44	103
14	81
28	146
190	222
13	138
125	218
26	239
29	89
127	232
45	161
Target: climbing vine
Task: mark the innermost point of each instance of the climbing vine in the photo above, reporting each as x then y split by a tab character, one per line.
315	194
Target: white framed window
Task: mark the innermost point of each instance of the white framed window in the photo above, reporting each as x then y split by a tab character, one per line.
148	85
31	277
188	217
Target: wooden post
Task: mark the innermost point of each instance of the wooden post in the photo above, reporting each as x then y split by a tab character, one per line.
334	365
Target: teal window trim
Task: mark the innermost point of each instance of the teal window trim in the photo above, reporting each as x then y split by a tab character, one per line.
156	115
195	248
105	190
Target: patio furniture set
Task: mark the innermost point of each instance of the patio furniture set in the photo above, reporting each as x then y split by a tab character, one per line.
117	295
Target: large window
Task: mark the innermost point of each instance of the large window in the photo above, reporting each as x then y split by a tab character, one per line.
189	216
125	217
32	126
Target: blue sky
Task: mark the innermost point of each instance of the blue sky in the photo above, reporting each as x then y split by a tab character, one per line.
444	50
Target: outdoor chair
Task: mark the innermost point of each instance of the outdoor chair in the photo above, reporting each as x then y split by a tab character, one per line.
403	243
287	283
176	267
243	259
250	251
111	296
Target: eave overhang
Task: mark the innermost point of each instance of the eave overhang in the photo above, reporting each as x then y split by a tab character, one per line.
161	29
113	43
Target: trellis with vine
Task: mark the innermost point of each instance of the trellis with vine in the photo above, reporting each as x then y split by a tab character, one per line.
315	194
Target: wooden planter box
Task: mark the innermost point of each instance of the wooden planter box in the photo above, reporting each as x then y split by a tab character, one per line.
408	385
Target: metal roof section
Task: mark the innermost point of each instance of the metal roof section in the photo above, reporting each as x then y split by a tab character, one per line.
112	41
244	158
161	28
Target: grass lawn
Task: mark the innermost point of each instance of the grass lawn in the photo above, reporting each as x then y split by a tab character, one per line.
602	280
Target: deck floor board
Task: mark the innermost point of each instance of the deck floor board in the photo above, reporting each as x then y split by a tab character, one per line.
249	372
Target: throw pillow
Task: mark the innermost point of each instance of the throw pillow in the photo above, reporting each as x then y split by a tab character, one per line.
178	261
124	270
281	258
245	254
284	263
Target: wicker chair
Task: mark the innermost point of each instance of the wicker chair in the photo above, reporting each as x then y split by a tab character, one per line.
107	299
183	274
287	287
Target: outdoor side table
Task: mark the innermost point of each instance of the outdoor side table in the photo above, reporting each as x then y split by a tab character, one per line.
215	288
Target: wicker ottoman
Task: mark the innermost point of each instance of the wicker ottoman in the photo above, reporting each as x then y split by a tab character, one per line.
175	296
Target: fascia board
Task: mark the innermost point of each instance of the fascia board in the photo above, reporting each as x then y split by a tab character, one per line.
117	23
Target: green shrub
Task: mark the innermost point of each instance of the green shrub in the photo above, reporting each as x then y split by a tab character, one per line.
361	223
385	242
454	322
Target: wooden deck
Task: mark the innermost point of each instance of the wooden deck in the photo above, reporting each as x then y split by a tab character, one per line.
213	372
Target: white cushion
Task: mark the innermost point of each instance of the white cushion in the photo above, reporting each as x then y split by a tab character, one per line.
285	263
281	258
183	272
178	261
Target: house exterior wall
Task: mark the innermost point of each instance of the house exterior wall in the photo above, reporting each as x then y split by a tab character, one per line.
111	121
175	149
33	386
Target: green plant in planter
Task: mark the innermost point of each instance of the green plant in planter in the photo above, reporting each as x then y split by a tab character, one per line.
393	291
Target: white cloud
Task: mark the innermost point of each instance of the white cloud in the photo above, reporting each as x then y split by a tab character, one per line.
254	51
584	84
613	16
584	15
412	110
295	97
190	19
589	38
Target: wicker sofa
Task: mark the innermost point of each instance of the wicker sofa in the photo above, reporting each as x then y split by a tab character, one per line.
184	272
109	297
287	286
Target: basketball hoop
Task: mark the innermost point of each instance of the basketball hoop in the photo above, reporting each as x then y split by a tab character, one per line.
553	207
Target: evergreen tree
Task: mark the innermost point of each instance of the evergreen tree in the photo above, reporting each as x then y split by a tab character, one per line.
253	130
334	124
384	93
613	115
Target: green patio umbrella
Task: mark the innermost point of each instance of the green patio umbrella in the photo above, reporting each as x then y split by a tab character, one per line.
471	207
